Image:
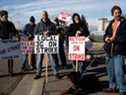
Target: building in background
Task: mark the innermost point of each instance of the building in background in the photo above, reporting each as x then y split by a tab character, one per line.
102	24
101	27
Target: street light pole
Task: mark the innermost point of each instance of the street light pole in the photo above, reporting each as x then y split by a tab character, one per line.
117	2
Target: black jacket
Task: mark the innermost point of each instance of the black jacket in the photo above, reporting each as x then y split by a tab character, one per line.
119	44
44	26
74	27
81	26
29	30
7	30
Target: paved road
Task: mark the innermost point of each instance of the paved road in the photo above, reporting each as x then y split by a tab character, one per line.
26	85
8	83
29	86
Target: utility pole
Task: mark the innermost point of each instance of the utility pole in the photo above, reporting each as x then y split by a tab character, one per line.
117	2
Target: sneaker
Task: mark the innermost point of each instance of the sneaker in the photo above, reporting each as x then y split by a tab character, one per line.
37	77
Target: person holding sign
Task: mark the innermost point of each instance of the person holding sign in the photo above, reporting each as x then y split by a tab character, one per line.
115	47
46	28
77	33
78	28
28	34
7	31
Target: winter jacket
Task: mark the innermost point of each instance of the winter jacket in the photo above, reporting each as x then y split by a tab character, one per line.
73	28
45	26
118	46
29	30
7	30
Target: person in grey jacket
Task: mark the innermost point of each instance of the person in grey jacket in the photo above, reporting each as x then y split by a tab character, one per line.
47	28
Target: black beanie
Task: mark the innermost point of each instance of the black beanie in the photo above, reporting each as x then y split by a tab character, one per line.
32	19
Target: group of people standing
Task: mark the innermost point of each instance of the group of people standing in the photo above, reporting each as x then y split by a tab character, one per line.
114	39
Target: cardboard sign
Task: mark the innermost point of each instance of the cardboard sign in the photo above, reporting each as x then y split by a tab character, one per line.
27	47
9	49
49	45
76	48
65	16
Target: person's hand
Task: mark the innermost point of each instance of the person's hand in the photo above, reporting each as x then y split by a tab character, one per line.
45	33
15	38
107	39
88	57
78	33
111	39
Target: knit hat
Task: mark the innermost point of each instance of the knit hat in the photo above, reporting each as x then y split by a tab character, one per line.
32	19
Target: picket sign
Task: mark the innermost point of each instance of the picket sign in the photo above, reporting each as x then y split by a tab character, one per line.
46	45
10	49
76	49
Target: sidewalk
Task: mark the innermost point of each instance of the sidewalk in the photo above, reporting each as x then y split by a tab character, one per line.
8	83
26	85
29	86
56	87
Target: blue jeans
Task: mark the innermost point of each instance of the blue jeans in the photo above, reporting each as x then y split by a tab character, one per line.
53	60
39	59
83	67
25	64
115	72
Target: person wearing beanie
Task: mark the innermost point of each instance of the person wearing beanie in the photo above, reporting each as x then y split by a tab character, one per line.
28	32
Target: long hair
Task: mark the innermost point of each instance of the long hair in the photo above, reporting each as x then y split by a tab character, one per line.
84	22
76	14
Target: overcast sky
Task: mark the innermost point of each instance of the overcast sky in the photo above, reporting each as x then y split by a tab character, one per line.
21	10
